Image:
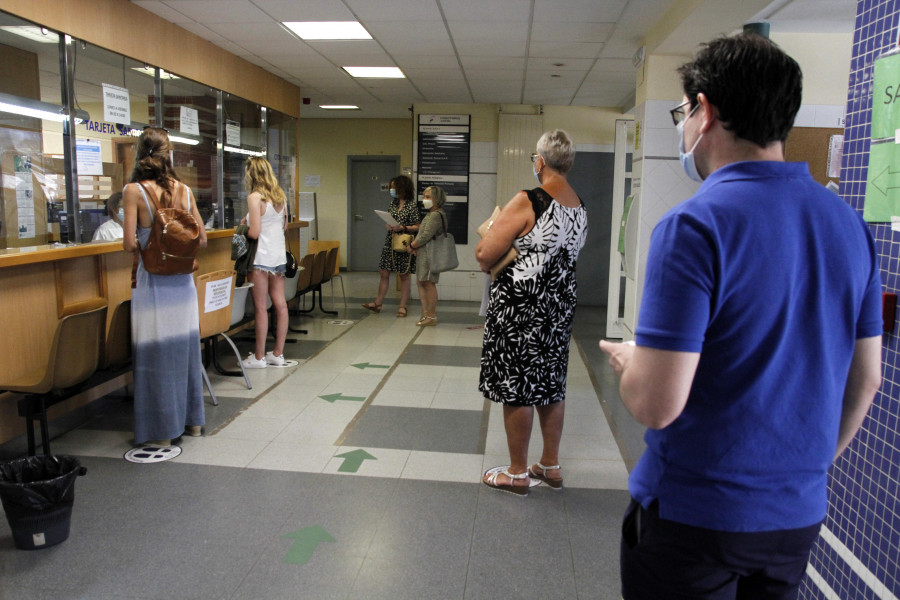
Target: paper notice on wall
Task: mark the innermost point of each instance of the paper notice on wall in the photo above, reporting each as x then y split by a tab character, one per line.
88	153
233	133
116	104
24	197
189	121
218	294
835	156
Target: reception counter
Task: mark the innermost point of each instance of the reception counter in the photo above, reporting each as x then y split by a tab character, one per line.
38	284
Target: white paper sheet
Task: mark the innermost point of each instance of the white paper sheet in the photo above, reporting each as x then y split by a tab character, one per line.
386	216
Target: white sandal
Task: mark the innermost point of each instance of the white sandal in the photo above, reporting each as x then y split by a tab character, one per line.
556	484
490	479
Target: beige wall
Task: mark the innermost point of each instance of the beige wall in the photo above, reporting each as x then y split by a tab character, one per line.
323	148
825	61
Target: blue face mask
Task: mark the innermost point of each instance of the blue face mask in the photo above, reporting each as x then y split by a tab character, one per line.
393	193
121	215
537	174
687	158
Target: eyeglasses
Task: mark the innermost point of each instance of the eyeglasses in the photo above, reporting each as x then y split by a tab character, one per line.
534	156
678	114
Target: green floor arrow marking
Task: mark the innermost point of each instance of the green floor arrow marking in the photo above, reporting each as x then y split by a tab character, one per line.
306	541
337	396
366	365
353	460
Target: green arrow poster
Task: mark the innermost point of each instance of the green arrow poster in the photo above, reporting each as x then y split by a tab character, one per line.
883	178
886	97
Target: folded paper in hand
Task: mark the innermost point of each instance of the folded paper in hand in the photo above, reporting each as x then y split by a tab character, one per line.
387	218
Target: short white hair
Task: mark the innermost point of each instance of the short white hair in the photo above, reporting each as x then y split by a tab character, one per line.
557	148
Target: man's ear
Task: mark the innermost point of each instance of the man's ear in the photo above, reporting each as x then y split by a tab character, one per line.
708	113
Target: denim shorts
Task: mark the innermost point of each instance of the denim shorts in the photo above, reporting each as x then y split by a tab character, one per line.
278	271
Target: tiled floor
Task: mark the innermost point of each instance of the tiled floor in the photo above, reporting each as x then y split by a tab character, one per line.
352	475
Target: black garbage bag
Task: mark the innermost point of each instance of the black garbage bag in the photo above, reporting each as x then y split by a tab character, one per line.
37	494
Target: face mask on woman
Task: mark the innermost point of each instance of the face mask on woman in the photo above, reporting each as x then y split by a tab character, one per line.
393	193
427	203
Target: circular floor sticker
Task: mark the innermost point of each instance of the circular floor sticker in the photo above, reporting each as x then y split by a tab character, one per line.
287	363
340	322
152	454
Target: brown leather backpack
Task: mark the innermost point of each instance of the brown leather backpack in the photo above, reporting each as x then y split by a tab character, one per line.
174	240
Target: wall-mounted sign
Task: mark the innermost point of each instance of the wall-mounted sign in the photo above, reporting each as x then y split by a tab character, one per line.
883	178
443	160
116	104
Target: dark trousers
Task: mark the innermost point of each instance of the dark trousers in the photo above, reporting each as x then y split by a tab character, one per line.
664	559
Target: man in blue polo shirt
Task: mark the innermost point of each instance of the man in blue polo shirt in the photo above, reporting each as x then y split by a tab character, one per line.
758	348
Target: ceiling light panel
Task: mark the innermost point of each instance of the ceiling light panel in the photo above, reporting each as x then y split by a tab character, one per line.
328	30
374	72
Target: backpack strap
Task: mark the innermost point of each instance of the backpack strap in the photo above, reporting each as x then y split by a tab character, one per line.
148	195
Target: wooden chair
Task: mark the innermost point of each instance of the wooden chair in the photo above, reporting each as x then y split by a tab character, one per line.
316	280
74	357
117	349
318	245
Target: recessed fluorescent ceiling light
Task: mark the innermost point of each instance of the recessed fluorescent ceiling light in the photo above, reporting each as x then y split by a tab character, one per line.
152	72
338	107
32	32
375	72
328	30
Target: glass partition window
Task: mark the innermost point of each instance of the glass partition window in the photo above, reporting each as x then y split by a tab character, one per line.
31	144
282	152
243	126
190	113
105	147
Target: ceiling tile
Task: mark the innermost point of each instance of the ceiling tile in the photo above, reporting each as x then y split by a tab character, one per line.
571	32
396	10
564	48
163	10
241	32
477	10
305	10
578	10
220	11
488	30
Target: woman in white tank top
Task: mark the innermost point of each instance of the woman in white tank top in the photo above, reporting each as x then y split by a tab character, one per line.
267	220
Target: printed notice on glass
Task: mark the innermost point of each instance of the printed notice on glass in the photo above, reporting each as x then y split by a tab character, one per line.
24	197
232	133
189	121
218	294
116	104
88	153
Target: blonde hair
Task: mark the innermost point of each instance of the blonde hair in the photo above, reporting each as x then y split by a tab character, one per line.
259	177
437	195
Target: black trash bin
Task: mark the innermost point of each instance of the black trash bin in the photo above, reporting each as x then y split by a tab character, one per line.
37	493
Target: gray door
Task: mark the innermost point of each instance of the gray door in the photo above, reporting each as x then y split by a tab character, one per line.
369	184
592	178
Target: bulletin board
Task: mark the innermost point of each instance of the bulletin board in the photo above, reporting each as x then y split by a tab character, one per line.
811	145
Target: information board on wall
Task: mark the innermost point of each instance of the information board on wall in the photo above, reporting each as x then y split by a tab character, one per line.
883	180
443	160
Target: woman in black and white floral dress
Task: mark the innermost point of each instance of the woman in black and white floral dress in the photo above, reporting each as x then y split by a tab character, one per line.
525	353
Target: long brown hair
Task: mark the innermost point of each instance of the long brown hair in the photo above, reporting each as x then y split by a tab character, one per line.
152	162
259	177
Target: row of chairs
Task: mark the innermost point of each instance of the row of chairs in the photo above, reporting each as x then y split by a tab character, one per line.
82	347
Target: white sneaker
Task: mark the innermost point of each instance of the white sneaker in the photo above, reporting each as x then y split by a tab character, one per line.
251	362
275	361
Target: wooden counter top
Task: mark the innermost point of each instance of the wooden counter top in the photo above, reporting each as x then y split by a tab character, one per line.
27	255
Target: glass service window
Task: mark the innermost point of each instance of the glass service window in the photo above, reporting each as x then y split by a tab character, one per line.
105	149
31	141
189	113
282	152
243	137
